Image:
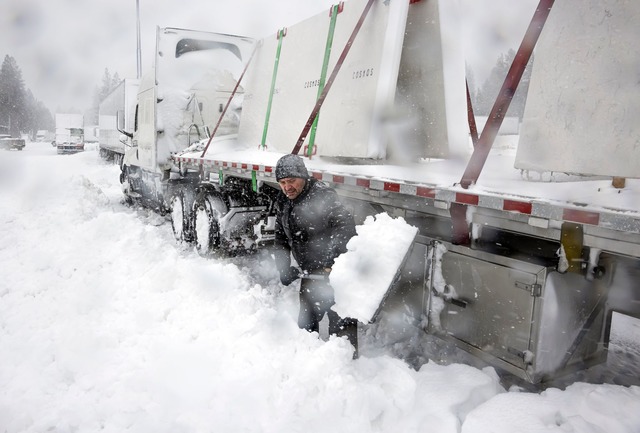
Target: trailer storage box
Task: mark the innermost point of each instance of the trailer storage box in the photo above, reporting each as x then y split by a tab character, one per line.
526	318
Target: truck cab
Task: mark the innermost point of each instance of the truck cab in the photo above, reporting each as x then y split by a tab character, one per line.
179	102
69	133
71	143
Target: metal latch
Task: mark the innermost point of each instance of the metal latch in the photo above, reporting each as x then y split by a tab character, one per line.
535	289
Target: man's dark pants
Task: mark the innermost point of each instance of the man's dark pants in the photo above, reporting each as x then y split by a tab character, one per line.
316	299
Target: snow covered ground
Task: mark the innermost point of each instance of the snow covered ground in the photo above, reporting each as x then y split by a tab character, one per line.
107	325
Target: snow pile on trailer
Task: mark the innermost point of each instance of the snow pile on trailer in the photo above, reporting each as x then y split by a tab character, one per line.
362	276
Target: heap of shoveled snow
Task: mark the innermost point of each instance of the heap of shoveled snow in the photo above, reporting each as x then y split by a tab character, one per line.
362	276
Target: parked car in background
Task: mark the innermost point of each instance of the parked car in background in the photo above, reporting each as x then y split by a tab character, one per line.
9	143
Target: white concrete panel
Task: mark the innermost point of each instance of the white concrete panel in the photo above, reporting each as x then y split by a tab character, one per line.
296	84
583	105
363	89
256	85
431	113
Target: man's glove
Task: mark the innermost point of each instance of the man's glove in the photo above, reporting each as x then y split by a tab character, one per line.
289	276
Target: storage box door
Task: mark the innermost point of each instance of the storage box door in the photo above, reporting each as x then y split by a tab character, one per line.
487	305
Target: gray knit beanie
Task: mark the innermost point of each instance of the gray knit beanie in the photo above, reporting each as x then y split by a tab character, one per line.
291	166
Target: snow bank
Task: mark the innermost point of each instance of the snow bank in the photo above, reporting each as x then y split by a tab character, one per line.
362	276
107	325
579	408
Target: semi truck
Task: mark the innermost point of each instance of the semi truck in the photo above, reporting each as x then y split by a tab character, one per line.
116	114
42	135
523	253
69	133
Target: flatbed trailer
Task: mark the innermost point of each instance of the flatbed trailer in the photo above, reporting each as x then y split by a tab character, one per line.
510	264
518	263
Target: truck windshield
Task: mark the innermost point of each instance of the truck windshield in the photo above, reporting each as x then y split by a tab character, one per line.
188	45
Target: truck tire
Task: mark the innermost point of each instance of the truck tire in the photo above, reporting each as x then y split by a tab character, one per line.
179	218
208	210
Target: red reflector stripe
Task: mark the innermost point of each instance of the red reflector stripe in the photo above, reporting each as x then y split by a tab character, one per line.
268	169
317	175
466	198
580	216
517	206
364	183
421	191
393	187
338	179
256	167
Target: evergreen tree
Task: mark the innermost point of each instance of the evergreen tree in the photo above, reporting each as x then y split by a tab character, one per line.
487	94
115	81
13	109
20	111
109	83
39	116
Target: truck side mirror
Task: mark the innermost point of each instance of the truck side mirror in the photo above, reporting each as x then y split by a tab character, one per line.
120	124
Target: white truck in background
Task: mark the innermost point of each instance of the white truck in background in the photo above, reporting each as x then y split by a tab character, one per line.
116	114
69	133
91	133
522	267
42	135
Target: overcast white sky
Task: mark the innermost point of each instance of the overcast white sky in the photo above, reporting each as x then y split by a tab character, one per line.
63	46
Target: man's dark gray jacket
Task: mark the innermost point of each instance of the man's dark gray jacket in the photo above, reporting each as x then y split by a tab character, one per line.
315	227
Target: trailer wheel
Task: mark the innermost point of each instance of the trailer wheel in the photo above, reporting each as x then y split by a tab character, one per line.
208	210
179	218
